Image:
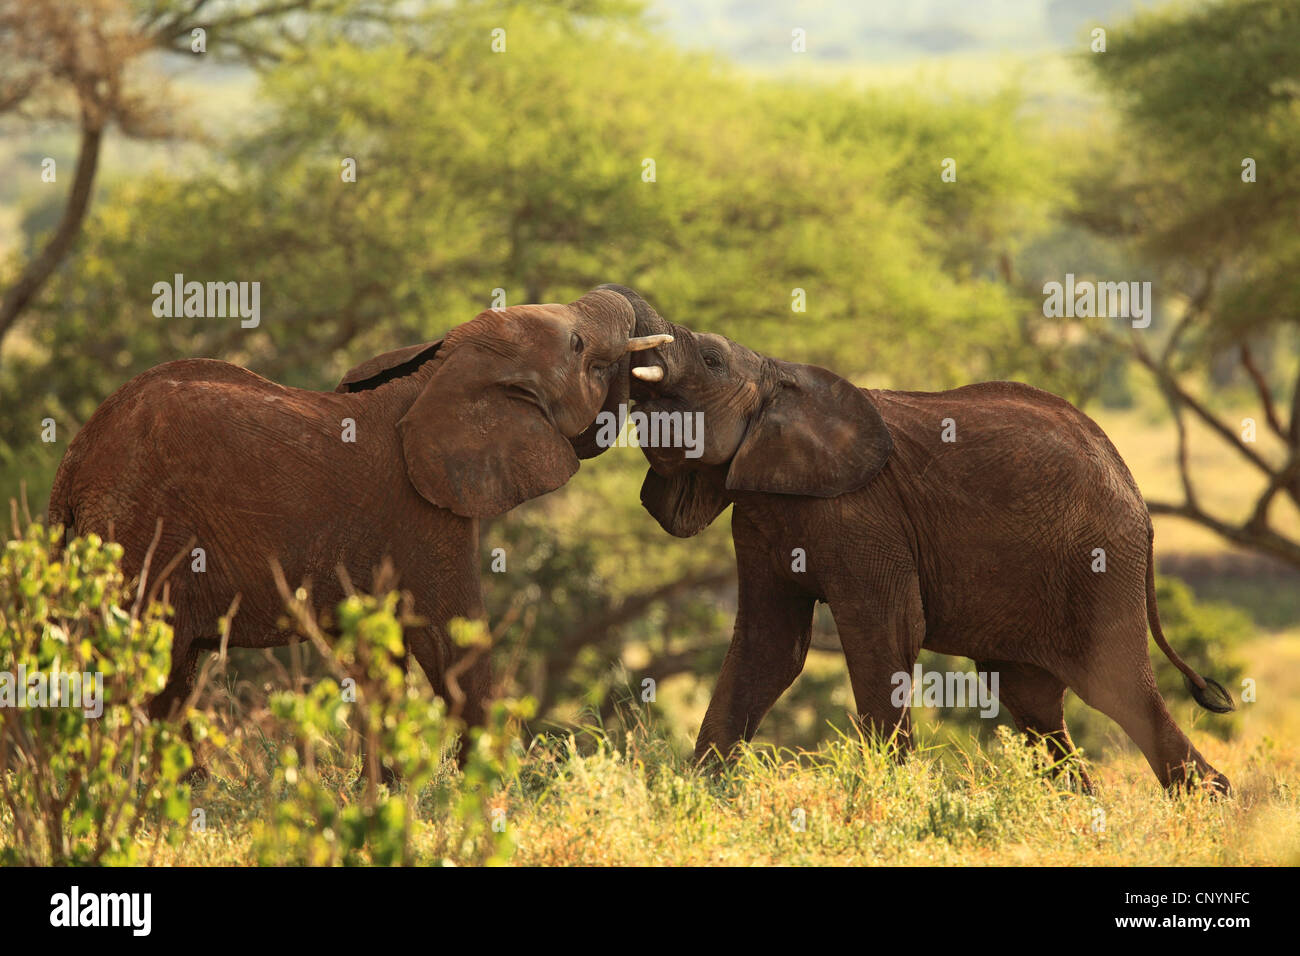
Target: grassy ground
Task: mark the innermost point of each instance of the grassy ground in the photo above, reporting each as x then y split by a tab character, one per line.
638	803
629	797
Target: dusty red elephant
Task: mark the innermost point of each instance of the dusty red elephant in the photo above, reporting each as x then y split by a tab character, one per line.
983	546
444	433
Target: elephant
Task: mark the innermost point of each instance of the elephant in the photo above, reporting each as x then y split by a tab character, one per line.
967	522
397	464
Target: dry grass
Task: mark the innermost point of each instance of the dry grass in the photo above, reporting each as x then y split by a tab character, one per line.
852	805
630	798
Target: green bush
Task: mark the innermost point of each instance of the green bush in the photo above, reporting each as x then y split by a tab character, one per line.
370	709
78	783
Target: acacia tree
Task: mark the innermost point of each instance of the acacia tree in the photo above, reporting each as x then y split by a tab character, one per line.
1204	193
80	62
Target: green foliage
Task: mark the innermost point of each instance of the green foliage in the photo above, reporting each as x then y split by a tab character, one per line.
77	786
1196	105
368	706
523	171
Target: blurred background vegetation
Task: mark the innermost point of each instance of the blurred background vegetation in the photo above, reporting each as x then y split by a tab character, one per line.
775	170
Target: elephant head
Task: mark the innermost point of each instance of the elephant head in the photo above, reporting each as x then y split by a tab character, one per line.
506	404
767	425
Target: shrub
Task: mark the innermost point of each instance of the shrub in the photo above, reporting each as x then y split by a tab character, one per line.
368	709
79	782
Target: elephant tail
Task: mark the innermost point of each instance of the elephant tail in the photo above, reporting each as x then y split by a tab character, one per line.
1206	691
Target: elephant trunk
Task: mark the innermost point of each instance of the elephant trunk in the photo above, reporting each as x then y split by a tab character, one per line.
654	366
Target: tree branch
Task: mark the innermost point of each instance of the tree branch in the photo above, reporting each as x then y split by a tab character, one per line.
1173	388
1261	386
38	270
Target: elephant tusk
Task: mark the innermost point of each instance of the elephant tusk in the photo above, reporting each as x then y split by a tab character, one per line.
647	342
649	373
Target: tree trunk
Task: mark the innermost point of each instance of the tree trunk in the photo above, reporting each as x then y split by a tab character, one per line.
39	269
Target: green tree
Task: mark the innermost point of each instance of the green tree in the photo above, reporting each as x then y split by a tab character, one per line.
1201	196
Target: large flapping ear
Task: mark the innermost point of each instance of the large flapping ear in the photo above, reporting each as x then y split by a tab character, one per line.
386	367
818	435
480	439
685	504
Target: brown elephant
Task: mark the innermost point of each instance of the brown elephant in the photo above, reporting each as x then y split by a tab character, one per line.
967	522
399	463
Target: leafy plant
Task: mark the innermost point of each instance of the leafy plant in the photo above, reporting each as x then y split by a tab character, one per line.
81	777
366	709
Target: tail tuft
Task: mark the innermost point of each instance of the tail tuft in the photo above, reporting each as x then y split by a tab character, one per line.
1213	696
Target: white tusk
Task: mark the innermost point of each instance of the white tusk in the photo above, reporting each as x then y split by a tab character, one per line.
647	342
649	373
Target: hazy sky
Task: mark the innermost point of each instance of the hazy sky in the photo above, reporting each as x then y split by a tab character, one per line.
875	31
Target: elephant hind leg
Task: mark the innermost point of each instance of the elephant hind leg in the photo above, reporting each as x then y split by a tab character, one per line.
1035	699
169	702
1125	691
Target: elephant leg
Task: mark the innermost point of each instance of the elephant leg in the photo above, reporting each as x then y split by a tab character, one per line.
462	677
468	700
168	702
1036	701
882	636
1123	687
768	649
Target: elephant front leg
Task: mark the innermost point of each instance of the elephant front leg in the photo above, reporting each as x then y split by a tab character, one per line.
768	649
882	636
461	676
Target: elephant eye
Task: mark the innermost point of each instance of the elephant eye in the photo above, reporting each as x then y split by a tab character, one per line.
713	360
575	340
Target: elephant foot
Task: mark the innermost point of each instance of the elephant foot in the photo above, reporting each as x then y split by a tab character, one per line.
387	775
196	776
1189	778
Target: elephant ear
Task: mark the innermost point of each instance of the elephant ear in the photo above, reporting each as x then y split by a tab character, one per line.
388	366
479	439
685	504
818	435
